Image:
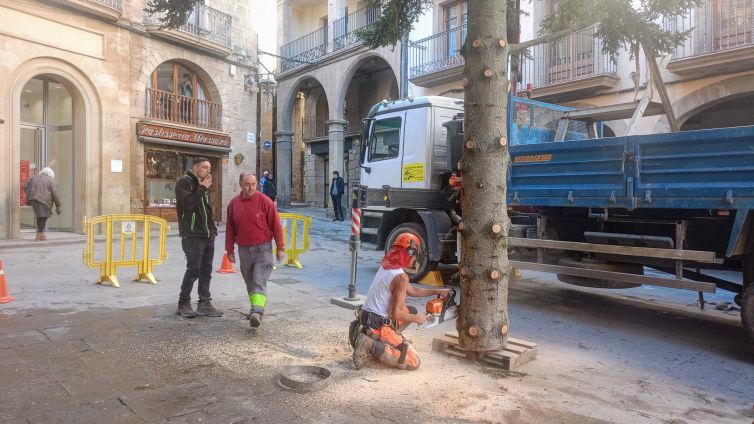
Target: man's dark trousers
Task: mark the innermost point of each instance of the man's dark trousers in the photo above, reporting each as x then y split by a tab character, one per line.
337	205
199	254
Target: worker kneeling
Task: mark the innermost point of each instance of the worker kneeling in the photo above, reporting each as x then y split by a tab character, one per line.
377	330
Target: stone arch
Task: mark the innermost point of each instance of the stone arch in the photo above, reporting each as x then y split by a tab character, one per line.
709	95
287	110
87	121
337	105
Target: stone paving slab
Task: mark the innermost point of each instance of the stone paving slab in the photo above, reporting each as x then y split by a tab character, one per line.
110	411
172	401
22	338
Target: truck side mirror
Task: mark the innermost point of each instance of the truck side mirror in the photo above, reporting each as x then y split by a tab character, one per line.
367	168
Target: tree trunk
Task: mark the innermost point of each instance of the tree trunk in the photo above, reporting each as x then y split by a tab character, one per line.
483	317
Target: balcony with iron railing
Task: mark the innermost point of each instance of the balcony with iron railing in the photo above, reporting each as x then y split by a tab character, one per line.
720	38
437	59
206	28
314	127
570	66
304	50
346	29
189	111
108	9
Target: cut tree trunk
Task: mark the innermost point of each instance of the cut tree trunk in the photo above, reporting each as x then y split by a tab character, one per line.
483	316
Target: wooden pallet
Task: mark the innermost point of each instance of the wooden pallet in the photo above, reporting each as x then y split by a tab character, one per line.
517	353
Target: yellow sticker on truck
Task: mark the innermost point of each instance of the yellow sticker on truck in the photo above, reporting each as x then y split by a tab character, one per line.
413	172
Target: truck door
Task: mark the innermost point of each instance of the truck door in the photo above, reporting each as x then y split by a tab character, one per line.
382	156
416	168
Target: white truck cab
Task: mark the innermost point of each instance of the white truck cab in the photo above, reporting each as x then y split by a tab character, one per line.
405	142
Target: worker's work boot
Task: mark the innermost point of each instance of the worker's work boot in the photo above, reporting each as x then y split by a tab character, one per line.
205	308
364	344
185	310
255	319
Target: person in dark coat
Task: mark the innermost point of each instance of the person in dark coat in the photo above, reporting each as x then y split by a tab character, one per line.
42	194
337	188
270	188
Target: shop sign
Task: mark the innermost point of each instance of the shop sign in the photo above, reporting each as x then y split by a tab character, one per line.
195	137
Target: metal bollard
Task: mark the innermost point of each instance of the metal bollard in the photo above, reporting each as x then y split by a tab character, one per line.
354	244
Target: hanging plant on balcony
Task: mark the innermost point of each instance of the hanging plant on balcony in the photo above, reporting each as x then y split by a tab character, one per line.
238	158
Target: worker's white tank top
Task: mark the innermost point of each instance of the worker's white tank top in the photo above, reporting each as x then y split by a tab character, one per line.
378	296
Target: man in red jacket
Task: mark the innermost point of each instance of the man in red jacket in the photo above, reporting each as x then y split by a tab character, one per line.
253	222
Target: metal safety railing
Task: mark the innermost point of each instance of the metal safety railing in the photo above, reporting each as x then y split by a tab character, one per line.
573	57
346	28
437	52
185	110
304	50
204	22
298	241
131	227
314	127
716	25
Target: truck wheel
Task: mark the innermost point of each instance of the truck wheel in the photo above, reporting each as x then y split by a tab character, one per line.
747	312
599	283
423	264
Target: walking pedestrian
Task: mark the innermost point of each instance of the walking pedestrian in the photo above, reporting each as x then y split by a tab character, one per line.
270	188
197	230
253	222
336	194
41	194
377	332
263	180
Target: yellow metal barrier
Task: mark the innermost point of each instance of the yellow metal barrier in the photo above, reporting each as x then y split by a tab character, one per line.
129	227
299	238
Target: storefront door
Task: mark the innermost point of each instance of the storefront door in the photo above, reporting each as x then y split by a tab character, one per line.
47	141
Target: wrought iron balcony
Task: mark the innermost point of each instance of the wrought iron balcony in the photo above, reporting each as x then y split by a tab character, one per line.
571	65
346	28
314	128
206	28
304	50
437	59
721	38
171	107
108	9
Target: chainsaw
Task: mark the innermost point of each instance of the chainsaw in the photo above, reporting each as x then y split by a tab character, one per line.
440	309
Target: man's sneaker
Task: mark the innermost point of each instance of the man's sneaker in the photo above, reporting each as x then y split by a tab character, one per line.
206	309
255	319
185	310
361	352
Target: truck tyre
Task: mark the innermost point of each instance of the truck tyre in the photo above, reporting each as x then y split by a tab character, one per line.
747	312
599	283
423	264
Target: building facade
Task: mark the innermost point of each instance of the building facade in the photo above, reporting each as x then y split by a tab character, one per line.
119	106
327	81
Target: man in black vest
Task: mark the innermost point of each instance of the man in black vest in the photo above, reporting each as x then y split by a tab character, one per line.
336	193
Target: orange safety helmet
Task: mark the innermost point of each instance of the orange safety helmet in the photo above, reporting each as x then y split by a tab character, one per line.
408	241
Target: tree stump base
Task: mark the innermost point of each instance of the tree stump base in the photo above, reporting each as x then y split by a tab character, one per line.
517	353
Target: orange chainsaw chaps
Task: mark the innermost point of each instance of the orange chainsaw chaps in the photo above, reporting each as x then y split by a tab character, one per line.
391	355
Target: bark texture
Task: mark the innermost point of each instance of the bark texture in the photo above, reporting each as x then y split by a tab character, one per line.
483	317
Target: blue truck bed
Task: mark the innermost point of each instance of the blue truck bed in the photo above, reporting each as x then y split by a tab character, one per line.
705	169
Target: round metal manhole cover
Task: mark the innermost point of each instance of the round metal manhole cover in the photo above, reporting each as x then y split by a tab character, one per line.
304	378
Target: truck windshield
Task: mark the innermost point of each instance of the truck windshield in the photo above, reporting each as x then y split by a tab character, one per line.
385	140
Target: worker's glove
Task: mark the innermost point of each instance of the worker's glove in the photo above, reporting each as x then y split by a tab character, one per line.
57	210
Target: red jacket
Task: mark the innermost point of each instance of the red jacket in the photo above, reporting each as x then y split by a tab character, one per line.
252	221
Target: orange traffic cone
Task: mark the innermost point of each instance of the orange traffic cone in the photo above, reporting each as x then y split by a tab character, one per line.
5	297
226	267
